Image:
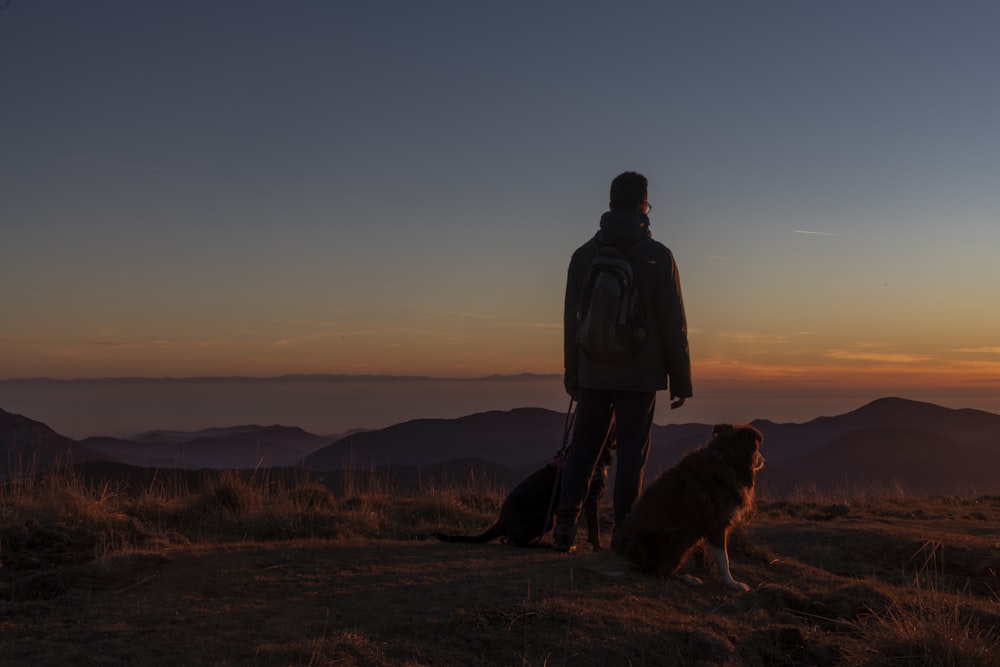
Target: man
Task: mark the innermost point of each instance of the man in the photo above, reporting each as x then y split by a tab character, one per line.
621	392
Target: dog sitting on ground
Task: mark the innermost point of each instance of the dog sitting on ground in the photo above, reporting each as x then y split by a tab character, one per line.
699	499
528	512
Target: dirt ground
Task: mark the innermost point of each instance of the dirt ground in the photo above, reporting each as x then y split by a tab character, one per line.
830	584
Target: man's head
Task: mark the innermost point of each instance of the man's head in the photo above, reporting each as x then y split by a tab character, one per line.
628	192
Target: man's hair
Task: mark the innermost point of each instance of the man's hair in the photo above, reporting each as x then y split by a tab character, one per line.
627	191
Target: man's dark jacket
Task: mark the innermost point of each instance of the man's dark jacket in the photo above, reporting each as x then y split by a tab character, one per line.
664	360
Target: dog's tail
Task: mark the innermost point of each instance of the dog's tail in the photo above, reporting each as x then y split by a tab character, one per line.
491	533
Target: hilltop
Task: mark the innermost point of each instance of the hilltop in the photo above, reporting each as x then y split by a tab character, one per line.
236	573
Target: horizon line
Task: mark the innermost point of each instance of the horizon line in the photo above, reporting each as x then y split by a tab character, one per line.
287	376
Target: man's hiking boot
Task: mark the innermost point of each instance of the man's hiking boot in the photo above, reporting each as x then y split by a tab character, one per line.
564	538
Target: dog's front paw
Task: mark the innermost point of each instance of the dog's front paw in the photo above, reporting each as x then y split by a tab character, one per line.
738	586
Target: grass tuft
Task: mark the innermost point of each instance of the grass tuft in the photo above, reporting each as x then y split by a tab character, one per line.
935	628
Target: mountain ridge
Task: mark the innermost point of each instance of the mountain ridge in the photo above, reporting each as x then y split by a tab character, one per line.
28	446
890	442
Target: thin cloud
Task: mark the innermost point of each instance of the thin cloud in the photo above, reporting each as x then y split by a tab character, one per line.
882	357
444	335
752	337
452	313
474	316
132	343
323	335
532	325
812	232
978	364
988	349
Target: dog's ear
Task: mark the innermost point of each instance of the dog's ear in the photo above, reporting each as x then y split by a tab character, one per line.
720	430
751	436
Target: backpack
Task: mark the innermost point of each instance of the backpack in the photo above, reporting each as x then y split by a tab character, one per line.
611	327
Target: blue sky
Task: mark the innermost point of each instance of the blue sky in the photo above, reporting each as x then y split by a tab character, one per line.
249	188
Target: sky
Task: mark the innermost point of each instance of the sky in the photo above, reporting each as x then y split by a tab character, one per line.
255	188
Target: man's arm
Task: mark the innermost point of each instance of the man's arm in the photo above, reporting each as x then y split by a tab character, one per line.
673	331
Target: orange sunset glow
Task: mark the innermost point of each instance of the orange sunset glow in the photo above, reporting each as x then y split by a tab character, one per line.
401	197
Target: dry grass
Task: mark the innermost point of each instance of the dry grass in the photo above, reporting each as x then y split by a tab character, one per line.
933	626
228	506
267	568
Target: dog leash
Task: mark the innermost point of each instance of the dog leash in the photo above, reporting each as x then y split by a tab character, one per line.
561	457
570	418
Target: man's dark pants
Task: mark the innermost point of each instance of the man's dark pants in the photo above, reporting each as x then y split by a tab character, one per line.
632	413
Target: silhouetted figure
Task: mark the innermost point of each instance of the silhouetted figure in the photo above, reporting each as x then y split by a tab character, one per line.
615	374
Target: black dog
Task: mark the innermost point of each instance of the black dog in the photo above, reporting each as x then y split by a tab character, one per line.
528	512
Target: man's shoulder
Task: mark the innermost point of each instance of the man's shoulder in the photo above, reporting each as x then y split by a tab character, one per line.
651	248
586	251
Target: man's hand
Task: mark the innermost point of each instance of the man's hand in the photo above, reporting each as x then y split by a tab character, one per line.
678	402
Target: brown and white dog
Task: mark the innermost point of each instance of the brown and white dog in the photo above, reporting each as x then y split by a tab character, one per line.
701	498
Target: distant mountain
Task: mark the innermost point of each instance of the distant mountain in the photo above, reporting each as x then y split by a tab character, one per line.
520	439
231	447
28	447
888	444
162	437
888	458
968	427
130	453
